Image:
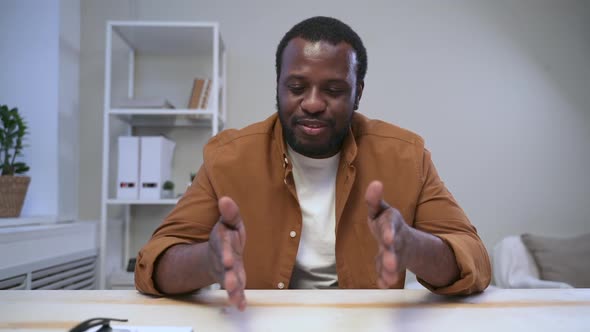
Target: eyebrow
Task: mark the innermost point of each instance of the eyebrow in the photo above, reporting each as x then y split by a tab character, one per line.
294	77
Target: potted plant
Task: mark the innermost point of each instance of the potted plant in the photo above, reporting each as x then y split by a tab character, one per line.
13	188
168	189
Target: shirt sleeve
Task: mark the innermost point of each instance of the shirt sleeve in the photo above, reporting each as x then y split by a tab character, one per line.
438	213
191	221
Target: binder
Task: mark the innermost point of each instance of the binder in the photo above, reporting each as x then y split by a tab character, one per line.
128	168
156	153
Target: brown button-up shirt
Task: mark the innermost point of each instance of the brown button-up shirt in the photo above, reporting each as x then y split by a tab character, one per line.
252	167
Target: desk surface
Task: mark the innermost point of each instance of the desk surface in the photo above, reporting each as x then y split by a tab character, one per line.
301	310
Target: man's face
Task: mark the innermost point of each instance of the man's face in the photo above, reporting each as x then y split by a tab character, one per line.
316	95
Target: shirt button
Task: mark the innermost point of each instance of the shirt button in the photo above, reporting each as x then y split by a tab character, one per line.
293	234
281	285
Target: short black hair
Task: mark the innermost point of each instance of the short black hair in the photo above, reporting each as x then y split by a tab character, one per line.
329	29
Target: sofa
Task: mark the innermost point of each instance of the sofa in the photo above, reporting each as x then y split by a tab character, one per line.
533	261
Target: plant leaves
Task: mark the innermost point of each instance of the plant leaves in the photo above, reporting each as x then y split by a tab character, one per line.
13	129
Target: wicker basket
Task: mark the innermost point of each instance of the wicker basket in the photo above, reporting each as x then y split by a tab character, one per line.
12	195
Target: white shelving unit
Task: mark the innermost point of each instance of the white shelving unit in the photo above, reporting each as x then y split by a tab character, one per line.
144	58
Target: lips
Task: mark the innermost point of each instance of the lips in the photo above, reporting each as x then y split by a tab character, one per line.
312	127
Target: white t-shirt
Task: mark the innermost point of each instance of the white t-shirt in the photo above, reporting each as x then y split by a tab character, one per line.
315	182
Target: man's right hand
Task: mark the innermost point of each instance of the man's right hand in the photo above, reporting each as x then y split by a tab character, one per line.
226	247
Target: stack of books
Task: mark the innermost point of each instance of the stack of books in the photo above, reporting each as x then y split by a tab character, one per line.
200	94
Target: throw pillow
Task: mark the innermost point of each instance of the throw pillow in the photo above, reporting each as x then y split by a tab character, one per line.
561	259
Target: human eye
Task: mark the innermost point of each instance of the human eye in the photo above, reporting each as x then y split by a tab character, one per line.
296	88
335	91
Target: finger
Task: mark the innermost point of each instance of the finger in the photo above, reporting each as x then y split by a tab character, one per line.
387	280
227	254
242	302
230	281
230	218
237	298
374	199
386	264
389	262
230	213
385	228
389	268
235	279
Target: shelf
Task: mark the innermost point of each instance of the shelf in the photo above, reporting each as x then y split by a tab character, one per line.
173	38
165	117
157	59
169	201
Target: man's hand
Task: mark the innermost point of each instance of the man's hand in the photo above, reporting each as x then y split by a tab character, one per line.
226	246
390	230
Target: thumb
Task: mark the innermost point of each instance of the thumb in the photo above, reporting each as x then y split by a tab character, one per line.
374	198
230	213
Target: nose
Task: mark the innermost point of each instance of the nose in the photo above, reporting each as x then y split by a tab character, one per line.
313	102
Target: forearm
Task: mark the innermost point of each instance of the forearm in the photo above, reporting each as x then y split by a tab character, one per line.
183	268
430	258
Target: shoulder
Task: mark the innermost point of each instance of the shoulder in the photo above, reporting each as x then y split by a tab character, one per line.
234	140
391	145
365	128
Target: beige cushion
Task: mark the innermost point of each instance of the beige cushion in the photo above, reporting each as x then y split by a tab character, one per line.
561	259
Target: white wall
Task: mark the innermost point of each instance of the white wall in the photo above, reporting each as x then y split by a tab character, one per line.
69	108
39	57
29	32
499	90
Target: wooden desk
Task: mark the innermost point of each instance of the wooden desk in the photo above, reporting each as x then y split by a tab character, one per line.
298	310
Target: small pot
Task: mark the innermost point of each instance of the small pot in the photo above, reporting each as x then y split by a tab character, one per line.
167	193
13	190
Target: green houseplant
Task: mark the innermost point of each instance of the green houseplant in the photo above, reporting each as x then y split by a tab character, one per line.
13	188
168	189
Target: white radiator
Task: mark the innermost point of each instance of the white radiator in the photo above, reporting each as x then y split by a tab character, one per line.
77	271
62	256
79	274
18	282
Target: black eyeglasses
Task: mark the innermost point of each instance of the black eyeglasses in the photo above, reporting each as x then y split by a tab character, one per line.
92	322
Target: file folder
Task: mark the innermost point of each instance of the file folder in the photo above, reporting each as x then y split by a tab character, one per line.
156	153
128	168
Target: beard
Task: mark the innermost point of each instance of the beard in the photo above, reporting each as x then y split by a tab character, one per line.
309	149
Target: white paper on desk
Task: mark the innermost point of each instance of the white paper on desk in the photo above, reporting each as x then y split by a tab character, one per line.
129	328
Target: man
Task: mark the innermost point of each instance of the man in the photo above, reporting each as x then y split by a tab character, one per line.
328	197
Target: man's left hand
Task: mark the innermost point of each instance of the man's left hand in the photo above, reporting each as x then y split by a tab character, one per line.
391	232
